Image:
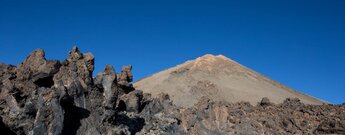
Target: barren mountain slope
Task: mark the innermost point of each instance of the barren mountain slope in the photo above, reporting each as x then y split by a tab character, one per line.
218	78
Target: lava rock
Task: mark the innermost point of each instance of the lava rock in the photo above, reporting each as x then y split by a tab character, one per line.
133	101
265	102
51	97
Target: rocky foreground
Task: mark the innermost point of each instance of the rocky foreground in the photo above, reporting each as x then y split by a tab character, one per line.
41	97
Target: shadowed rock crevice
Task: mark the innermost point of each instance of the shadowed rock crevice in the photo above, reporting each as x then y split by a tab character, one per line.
72	116
134	124
121	106
18	95
46	82
4	130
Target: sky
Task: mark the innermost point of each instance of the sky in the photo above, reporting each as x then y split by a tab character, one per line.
298	43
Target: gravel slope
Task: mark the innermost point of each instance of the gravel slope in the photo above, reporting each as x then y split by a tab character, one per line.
218	78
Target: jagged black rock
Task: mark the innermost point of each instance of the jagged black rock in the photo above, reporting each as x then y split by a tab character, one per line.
41	97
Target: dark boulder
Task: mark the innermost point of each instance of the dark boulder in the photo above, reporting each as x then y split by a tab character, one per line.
265	102
133	101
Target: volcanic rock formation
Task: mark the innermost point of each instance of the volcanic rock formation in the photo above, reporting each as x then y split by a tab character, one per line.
50	97
218	78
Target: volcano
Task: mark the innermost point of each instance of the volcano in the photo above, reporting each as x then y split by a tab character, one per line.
218	78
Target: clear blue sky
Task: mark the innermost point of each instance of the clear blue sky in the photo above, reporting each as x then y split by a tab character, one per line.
300	43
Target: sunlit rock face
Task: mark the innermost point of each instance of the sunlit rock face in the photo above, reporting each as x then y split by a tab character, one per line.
51	97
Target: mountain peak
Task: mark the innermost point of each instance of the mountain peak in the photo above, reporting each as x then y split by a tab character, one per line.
219	78
211	62
211	56
208	56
